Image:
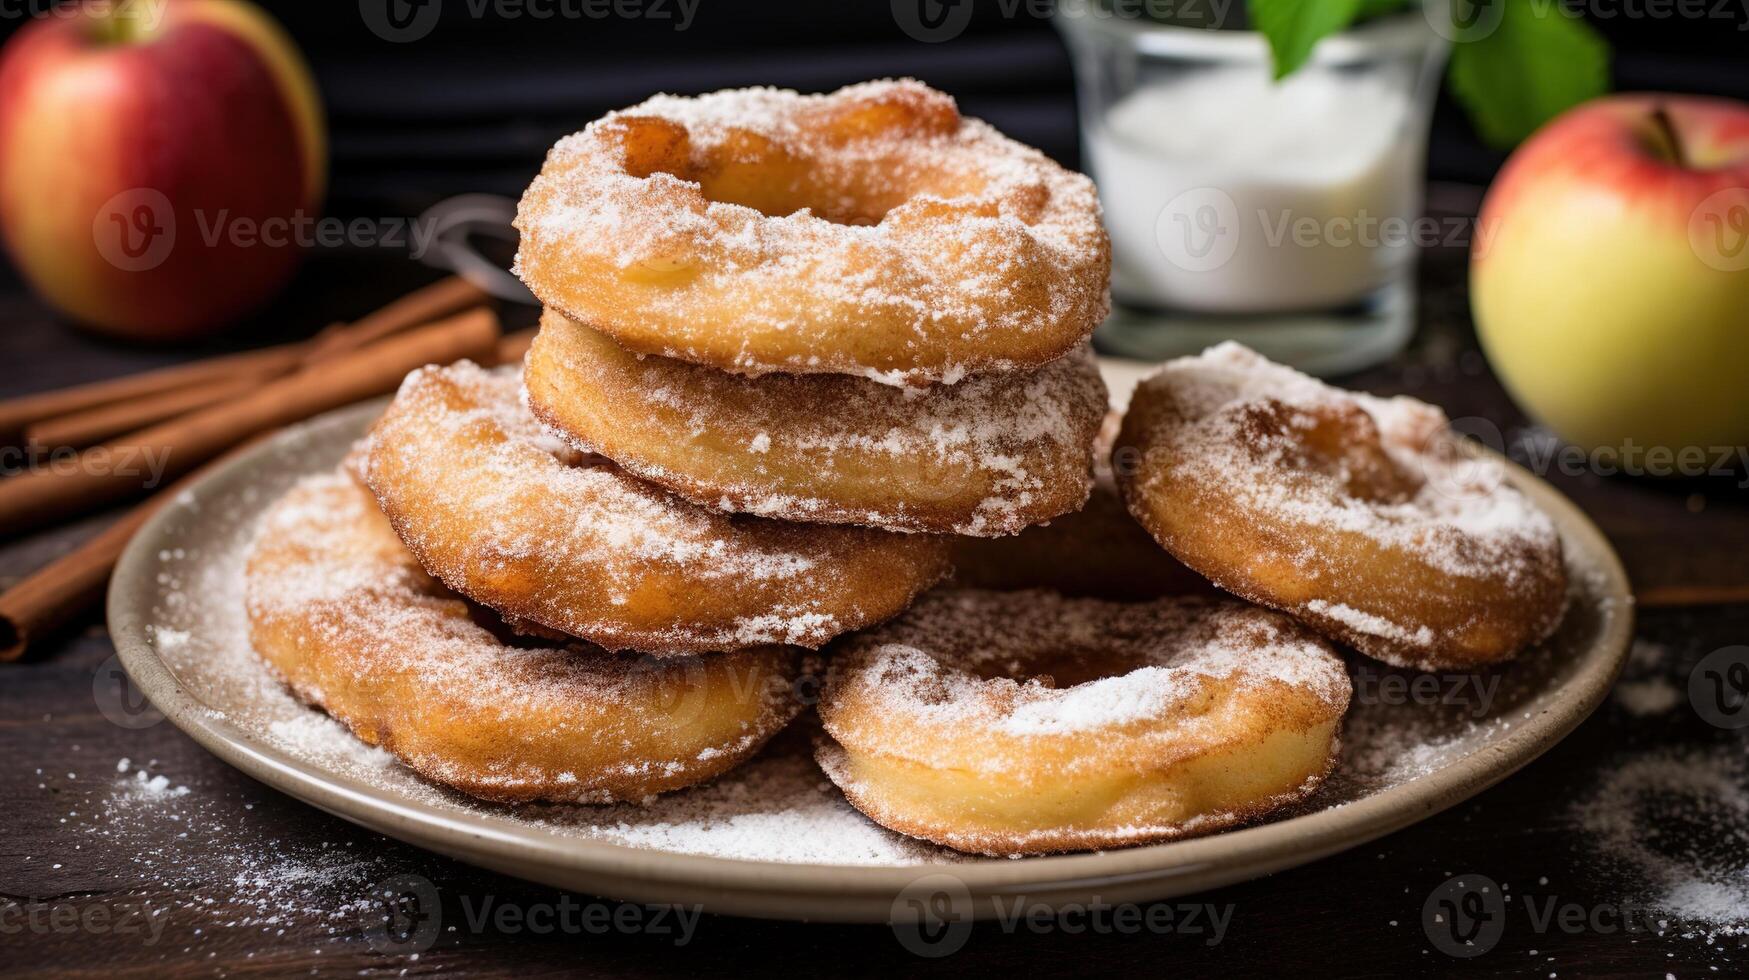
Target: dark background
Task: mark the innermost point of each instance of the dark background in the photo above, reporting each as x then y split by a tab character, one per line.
473	105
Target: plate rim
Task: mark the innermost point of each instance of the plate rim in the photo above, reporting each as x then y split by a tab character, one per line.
832	892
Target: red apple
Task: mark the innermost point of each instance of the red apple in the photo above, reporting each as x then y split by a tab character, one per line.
1610	279
144	144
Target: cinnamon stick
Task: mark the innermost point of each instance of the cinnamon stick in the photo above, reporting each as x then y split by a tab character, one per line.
137	462
17	414
514	346
440	299
94	425
89	427
60	591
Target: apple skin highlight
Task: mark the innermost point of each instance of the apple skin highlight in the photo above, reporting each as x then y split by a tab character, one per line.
1610	273
199	126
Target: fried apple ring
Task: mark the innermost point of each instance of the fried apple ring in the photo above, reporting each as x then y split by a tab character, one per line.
986	457
1011	723
472	484
871	231
342	612
1365	517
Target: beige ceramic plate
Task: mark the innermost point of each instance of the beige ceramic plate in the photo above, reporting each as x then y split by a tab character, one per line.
774	839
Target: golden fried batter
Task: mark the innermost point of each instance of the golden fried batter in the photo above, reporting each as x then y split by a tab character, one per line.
1024	722
343	613
985	457
472	484
870	231
1364	517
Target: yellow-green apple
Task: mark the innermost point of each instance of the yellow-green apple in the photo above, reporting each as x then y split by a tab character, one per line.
1610	275
150	151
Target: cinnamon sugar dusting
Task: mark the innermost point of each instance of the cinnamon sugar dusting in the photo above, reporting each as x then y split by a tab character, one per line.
482	492
1335	488
1081	723
350	619
1449	507
878	203
1002	451
975	658
778	806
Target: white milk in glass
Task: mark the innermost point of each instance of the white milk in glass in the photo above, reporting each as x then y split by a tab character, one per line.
1227	192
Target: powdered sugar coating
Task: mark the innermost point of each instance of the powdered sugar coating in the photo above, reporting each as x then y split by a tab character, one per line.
976	659
342	612
494	505
870	231
1366	517
1369	624
986	457
1024	722
777	807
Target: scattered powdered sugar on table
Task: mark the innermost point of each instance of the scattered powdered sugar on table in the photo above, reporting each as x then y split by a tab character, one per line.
185	843
1645	689
1654	696
1646	656
1676	825
779	807
156	787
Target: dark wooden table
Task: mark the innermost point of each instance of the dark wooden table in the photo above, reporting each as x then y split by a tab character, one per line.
229	877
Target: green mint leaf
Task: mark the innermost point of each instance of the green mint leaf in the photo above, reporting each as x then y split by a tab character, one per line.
1294	26
1536	62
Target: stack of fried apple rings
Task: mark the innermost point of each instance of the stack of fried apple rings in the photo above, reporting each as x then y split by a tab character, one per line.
800	356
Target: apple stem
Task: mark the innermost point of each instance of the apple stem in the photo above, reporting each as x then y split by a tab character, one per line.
120	27
1667	129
